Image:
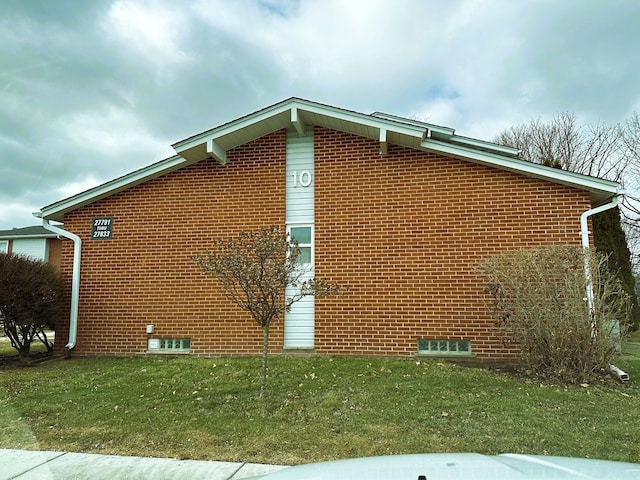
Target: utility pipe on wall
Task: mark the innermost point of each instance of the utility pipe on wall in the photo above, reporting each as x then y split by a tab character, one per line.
75	279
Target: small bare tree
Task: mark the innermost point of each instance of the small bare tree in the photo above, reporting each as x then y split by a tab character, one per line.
538	299
30	294
254	269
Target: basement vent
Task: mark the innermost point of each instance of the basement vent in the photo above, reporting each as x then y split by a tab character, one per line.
169	345
443	347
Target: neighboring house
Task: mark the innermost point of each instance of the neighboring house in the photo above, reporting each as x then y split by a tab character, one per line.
35	242
396	211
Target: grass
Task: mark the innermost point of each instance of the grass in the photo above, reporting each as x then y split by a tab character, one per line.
6	350
317	408
631	345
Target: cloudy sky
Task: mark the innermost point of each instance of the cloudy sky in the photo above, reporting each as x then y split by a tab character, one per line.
90	90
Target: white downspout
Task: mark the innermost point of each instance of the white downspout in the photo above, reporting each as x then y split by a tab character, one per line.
584	233
75	279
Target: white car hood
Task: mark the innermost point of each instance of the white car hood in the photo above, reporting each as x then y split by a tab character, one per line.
461	466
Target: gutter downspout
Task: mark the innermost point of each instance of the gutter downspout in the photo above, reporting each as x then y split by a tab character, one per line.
75	279
584	233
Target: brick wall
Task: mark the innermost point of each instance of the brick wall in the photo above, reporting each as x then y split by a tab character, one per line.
144	274
55	245
401	232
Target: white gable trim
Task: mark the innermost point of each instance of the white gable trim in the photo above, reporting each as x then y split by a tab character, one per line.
601	190
56	211
300	114
292	112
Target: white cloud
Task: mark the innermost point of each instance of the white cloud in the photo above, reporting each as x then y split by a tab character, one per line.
113	132
17	214
152	30
441	60
72	188
108	86
332	42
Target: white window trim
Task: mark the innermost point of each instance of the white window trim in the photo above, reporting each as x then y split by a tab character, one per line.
4	246
312	244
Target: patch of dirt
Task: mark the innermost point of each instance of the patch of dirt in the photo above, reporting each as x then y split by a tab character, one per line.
528	375
12	362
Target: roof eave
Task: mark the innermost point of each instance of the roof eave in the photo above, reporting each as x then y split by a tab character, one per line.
600	190
57	210
20	237
299	114
294	113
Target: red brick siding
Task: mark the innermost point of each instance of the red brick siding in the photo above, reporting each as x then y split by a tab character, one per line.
55	245
144	274
402	232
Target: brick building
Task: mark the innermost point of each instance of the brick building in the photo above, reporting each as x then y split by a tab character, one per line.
397	211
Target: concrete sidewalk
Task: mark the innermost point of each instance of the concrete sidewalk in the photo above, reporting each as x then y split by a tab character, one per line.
33	465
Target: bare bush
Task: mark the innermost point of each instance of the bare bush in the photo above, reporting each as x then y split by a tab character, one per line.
539	300
30	293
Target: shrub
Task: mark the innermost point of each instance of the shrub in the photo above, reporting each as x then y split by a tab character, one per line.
538	298
30	294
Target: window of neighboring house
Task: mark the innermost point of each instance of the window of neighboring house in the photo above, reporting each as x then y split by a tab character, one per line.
443	347
304	236
4	246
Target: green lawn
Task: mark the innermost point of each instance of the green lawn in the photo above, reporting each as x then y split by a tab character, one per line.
6	350
317	408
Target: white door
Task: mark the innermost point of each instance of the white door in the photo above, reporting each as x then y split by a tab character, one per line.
299	324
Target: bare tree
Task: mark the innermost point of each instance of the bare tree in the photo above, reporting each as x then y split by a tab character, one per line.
606	151
254	270
596	150
631	213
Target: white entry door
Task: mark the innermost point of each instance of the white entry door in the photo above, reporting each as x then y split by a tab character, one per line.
299	321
